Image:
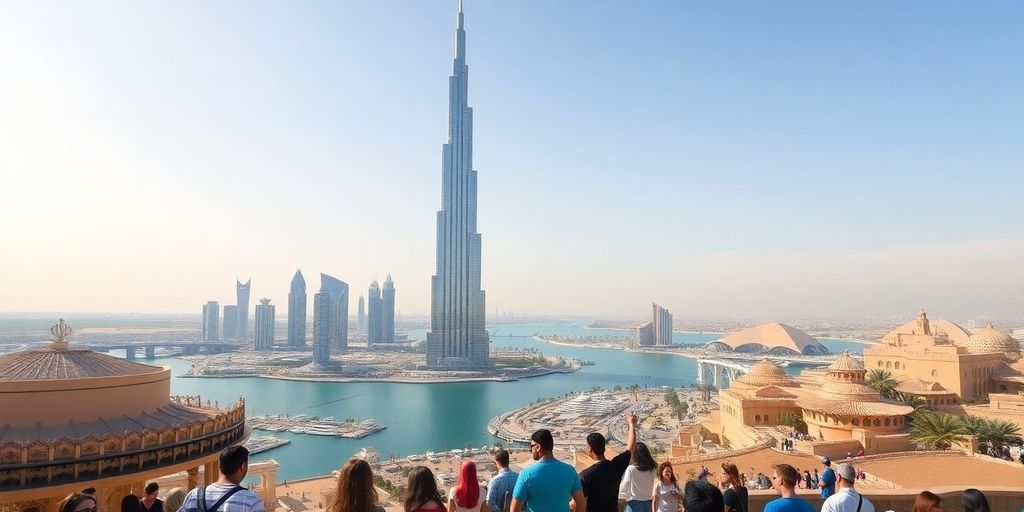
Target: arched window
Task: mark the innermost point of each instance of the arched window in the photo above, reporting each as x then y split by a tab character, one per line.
881	364
935	372
897	365
878	423
856	422
888	422
888	365
757	419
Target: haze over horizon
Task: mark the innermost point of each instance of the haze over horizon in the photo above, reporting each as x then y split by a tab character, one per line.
744	159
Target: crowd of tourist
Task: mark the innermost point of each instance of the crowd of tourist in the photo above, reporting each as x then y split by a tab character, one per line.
548	485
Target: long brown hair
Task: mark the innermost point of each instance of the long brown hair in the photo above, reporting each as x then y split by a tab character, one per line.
355	492
733	473
73	500
925	501
422	488
661	471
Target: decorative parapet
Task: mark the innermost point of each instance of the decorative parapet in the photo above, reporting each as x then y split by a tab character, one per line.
40	463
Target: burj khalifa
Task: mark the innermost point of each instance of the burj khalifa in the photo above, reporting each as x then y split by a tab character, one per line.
458	337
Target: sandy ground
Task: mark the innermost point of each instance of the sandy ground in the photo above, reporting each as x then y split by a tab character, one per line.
752	463
928	471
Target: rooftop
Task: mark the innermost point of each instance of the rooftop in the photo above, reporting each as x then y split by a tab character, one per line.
774	336
56	364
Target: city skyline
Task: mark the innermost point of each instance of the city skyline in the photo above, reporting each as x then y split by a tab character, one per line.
876	158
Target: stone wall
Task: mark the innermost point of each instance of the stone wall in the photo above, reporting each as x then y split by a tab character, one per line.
999	499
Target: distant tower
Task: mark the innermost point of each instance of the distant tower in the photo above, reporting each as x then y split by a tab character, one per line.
375	327
297	312
324	323
211	319
362	314
662	325
242	294
264	325
458	337
645	334
339	290
388	299
230	322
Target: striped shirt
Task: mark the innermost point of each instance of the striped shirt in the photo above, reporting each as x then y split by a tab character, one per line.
241	501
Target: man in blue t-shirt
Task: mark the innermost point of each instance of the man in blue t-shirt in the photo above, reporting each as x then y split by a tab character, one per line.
547	485
828	479
785	480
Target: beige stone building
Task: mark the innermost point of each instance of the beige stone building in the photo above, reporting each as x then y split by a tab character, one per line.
74	419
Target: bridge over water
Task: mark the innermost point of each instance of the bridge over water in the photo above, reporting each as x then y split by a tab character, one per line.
192	347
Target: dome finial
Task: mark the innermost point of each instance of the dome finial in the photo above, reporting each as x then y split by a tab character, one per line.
60	331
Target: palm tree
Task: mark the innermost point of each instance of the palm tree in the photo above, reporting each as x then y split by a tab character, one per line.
992	432
911	400
883	382
937	430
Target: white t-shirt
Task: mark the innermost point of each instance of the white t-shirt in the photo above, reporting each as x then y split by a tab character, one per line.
846	500
241	501
668	497
479	503
637	485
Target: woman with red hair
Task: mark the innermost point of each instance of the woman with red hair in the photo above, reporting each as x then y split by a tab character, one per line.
467	495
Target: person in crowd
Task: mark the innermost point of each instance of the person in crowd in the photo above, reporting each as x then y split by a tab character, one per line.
91	491
704	473
666	489
816	479
974	501
355	491
421	493
828	479
637	484
784	479
601	480
78	502
808	482
131	503
175	497
150	502
467	495
702	496
735	495
548	484
926	502
226	494
860	452
499	490
847	499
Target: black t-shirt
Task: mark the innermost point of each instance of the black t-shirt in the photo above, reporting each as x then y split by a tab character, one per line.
158	506
601	483
736	498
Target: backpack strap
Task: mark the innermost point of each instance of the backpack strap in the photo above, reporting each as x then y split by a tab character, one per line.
860	503
201	498
223	498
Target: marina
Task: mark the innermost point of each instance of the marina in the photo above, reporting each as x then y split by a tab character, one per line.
316	426
260	444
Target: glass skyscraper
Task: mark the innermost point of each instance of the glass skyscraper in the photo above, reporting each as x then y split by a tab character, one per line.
242	294
297	312
458	336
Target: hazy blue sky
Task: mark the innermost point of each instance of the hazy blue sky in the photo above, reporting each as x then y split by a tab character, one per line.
771	158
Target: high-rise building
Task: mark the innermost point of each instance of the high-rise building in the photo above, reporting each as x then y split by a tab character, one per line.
211	319
662	325
325	316
645	335
242	294
230	322
264	325
297	312
362	314
458	336
387	295
339	290
375	318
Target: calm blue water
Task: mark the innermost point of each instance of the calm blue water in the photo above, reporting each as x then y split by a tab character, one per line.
438	417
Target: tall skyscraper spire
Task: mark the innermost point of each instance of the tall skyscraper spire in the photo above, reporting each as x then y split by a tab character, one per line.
458	337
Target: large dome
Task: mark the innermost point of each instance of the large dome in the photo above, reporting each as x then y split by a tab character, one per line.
775	338
766	373
989	339
56	364
846	363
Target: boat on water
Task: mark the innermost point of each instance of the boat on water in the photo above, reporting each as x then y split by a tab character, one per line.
260	444
507	378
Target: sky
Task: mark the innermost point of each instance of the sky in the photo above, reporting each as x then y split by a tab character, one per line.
775	159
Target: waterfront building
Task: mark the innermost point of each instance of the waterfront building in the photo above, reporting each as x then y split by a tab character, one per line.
242	296
458	337
662	326
774	338
211	319
945	363
375	318
297	312
362	314
388	310
264	325
75	418
324	324
645	334
230	322
339	290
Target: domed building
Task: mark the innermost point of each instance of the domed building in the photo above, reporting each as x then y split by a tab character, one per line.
947	363
74	419
774	338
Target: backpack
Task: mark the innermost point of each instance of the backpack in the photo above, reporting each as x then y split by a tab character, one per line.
201	499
